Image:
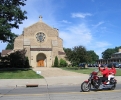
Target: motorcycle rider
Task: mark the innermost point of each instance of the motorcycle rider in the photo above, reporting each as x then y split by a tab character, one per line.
105	72
112	73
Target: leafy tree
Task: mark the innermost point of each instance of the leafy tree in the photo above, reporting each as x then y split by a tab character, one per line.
79	55
11	16
107	53
56	62
10	45
63	63
92	56
68	52
117	48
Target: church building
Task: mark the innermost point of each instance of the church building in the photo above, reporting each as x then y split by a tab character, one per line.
42	44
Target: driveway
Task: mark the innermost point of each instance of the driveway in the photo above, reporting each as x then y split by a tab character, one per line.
56	72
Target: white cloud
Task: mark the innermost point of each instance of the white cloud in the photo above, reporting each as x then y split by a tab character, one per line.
65	21
100	23
99	46
80	15
81	35
76	35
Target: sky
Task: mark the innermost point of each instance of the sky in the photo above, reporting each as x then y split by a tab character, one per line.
94	24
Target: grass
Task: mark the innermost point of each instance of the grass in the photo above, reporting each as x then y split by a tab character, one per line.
19	74
87	70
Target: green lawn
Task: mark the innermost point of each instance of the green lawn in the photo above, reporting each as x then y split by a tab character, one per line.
19	74
87	70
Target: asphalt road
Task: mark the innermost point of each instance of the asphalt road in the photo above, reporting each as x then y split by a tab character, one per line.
62	92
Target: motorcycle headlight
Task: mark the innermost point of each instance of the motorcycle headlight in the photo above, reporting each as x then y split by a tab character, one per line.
90	75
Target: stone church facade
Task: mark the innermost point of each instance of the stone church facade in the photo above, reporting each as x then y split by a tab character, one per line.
42	44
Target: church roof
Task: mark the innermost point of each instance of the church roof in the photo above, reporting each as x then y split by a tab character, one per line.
5	52
42	25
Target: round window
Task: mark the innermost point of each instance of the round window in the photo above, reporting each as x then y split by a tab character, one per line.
40	37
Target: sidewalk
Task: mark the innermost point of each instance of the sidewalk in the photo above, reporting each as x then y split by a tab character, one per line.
52	76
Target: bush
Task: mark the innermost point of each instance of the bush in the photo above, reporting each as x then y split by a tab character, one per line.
56	62
16	59
27	63
63	63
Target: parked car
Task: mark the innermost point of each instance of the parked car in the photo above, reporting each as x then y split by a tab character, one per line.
119	66
82	65
95	65
89	65
116	65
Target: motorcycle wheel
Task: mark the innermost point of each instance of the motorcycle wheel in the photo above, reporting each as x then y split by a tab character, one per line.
113	87
85	87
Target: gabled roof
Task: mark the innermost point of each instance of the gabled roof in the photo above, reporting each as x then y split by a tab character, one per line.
42	25
4	52
61	53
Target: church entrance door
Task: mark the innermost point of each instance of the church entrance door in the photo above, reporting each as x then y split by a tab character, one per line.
41	60
40	63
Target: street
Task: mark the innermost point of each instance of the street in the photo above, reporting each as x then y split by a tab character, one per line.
62	92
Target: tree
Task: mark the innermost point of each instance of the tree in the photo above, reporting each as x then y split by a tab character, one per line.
79	55
68	52
11	16
76	55
107	53
56	62
10	45
92	56
117	48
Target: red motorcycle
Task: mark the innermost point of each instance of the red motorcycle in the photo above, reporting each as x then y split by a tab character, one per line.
94	81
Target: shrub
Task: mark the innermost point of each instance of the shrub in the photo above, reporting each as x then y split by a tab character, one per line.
63	63
27	63
16	59
56	62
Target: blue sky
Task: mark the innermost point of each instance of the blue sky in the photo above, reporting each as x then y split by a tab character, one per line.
94	24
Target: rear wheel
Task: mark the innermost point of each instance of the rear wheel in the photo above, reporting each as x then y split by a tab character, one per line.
113	87
113	83
85	87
